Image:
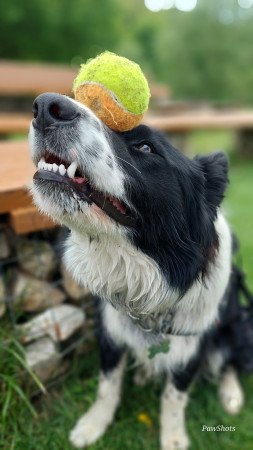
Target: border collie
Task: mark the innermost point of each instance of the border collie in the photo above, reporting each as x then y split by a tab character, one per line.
150	242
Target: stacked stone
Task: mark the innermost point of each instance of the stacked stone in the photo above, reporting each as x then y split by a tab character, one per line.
47	307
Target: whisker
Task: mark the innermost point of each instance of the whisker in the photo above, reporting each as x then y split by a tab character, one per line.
128	163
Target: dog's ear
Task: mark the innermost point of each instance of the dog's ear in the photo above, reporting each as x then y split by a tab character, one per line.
215	169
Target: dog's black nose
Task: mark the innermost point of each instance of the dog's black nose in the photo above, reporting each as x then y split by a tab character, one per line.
53	109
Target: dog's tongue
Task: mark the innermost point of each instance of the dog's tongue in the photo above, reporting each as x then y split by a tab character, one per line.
80	180
118	205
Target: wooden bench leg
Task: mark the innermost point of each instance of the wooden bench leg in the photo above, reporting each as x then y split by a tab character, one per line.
26	220
245	142
179	141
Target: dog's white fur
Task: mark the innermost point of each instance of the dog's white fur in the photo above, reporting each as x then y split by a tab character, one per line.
92	425
92	134
109	179
110	267
230	391
173	432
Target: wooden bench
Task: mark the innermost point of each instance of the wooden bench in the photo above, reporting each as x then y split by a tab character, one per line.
237	120
179	125
24	79
233	119
29	80
16	172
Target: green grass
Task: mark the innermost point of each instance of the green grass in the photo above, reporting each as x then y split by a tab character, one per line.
239	211
58	411
60	408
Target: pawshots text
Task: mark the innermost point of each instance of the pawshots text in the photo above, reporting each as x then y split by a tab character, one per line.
218	428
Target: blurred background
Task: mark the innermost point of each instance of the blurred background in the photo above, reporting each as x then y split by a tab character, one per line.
197	56
200	49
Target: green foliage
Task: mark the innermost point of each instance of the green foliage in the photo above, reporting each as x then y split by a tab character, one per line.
196	53
13	372
57	30
215	63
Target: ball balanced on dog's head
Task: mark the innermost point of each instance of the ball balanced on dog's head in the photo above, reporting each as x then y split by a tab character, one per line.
115	89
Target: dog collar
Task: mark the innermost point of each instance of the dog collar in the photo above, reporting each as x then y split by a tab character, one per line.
159	324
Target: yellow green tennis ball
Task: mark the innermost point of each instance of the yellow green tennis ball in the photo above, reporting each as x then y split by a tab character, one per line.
115	89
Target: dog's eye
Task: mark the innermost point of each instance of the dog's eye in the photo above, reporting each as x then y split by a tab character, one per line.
145	148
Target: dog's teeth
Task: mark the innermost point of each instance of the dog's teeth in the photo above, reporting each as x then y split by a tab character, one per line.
62	169
41	163
72	169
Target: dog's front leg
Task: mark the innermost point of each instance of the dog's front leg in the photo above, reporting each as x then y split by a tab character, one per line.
173	431
92	425
174	401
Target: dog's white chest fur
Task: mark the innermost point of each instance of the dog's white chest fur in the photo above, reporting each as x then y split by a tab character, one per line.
117	272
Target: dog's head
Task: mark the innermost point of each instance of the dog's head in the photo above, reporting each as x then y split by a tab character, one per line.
135	184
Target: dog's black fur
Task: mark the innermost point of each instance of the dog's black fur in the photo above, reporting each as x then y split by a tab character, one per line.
182	239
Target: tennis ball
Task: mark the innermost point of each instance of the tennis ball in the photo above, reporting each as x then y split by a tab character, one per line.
115	89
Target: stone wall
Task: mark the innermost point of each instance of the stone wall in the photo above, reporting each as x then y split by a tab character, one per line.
47	310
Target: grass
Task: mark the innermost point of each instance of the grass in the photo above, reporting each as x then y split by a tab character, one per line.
239	211
57	411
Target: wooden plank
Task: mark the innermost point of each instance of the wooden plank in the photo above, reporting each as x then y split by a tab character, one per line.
202	120
14	123
16	168
18	78
176	123
16	172
25	220
14	199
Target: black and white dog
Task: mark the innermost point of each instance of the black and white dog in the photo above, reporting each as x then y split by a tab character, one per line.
148	238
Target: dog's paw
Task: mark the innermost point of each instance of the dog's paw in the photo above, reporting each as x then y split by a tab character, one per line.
87	430
230	393
176	442
233	401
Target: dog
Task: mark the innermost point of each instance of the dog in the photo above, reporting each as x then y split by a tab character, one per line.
149	240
